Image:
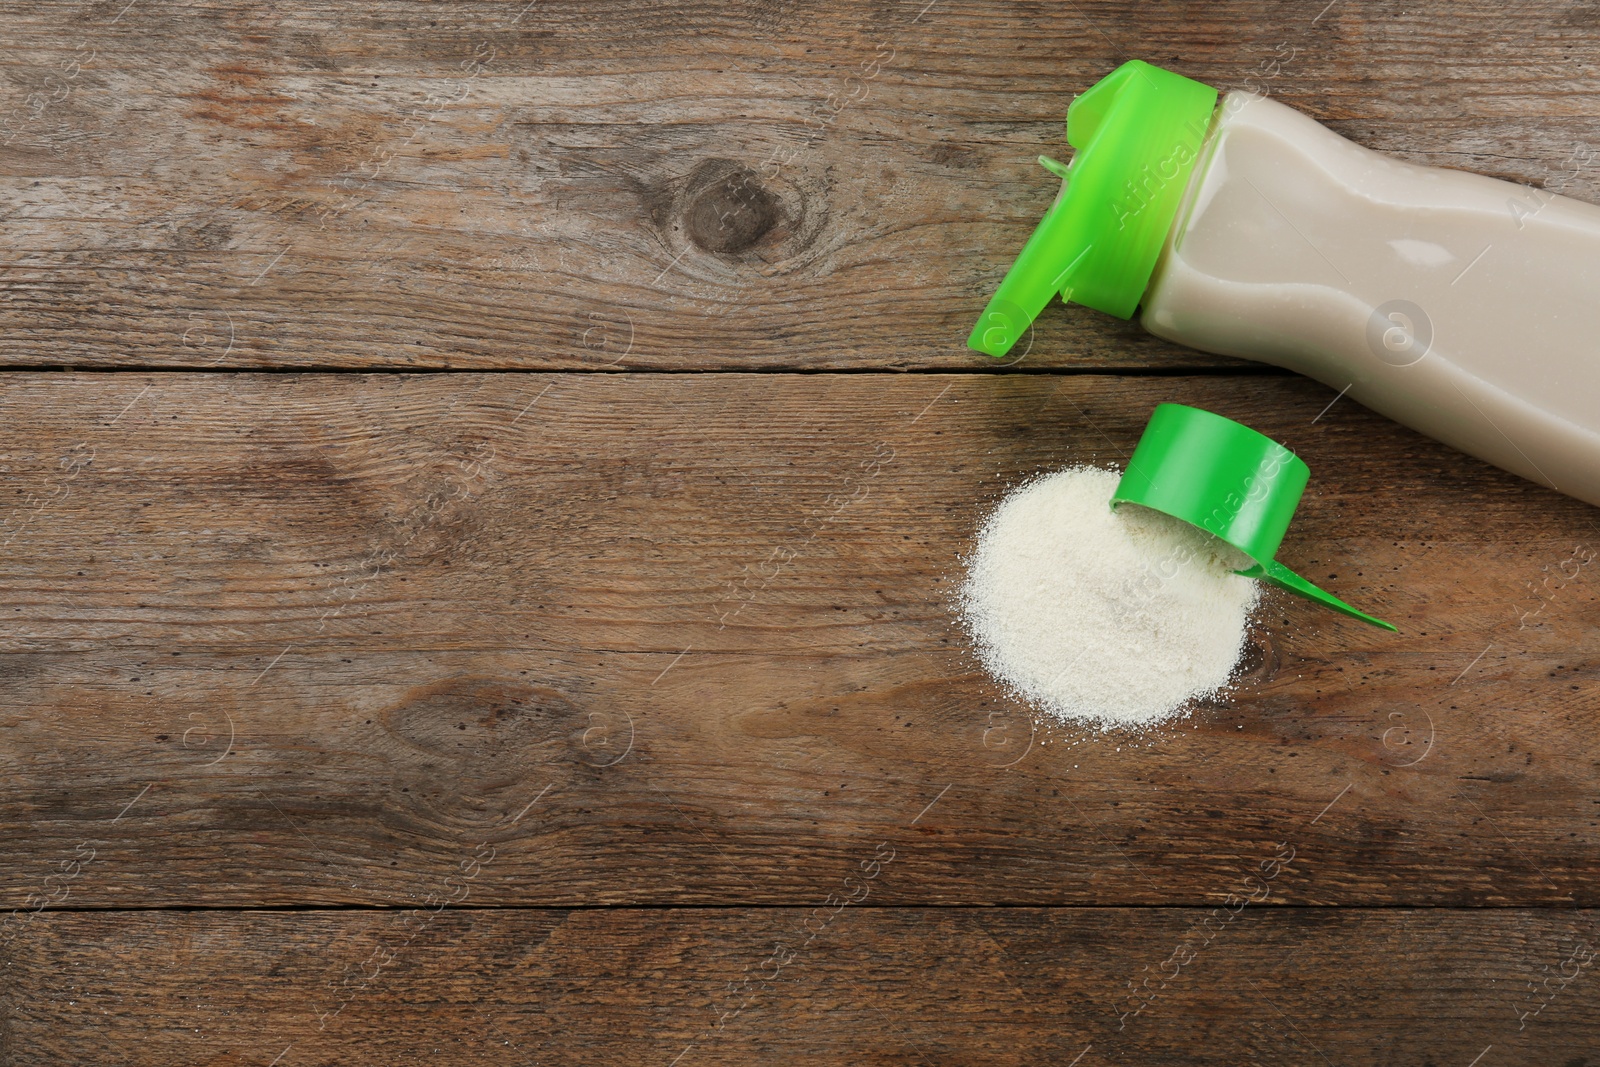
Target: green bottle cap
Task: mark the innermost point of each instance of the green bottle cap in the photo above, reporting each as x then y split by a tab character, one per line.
1230	481
1136	134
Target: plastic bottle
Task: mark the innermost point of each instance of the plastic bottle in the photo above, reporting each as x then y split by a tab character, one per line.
1465	307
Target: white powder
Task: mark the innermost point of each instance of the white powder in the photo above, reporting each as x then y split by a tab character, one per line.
1122	617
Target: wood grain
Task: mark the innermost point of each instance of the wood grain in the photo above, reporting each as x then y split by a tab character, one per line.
594	718
760	186
666	639
867	986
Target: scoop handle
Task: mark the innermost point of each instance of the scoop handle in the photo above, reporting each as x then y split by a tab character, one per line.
1275	573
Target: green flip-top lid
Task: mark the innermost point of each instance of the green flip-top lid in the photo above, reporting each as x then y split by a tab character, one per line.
1137	134
1237	484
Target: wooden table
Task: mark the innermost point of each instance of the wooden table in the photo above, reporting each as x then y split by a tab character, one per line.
484	488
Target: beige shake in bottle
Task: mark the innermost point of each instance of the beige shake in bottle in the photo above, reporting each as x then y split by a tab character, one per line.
1465	307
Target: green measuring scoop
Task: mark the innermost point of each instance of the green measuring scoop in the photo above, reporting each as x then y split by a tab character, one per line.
1232	482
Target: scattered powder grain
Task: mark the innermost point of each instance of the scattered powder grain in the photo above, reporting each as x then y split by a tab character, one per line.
1121	617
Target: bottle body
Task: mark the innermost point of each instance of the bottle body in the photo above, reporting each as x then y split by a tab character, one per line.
1463	306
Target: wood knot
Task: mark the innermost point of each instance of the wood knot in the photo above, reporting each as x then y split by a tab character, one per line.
726	207
487	723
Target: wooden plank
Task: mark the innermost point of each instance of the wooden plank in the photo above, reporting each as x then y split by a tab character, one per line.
686	639
626	184
863	986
